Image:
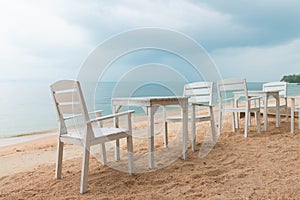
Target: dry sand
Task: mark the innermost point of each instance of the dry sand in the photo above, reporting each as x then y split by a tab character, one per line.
262	166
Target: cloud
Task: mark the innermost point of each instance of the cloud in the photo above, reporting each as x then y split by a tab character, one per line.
35	41
105	18
272	22
45	39
259	63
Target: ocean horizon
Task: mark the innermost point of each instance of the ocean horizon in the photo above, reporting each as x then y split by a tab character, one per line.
27	107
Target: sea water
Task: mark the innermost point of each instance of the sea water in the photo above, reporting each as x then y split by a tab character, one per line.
27	107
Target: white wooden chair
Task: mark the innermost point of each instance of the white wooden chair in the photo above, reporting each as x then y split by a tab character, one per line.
200	95
69	103
276	86
295	108
227	86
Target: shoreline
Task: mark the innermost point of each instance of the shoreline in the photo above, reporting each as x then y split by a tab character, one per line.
25	138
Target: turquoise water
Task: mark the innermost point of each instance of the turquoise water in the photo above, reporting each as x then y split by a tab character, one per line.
26	107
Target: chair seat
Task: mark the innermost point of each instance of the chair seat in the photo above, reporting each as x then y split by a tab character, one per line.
253	109
104	134
272	105
198	118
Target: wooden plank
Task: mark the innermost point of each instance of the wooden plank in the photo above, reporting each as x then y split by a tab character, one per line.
276	86
231	81
66	97
70	109
194	92
202	99
64	85
271	84
198	85
232	87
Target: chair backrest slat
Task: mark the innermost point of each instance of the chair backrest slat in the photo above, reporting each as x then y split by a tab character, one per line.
275	86
200	99
69	109
194	92
231	85
63	85
231	81
199	92
68	98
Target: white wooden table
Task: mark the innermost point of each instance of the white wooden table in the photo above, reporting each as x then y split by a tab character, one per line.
265	95
293	108
151	104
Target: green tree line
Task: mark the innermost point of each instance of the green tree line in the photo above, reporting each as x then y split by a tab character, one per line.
291	78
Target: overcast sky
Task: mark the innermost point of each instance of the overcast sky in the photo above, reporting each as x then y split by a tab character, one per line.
50	39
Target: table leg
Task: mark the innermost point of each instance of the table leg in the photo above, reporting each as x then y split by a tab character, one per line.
236	115
165	126
150	113
292	115
193	122
116	109
277	111
184	113
265	112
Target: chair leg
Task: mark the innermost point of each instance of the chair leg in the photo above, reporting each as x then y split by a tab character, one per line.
212	124
299	120
246	124
117	146
249	119
117	150
84	169
219	122
60	147
193	122
257	117
233	121
292	121
166	134
130	155
166	127
103	153
286	114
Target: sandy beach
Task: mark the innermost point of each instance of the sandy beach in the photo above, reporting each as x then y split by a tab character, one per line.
263	166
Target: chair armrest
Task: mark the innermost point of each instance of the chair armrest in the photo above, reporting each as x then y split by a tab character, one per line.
90	113
228	99
201	104
172	106
111	116
96	111
254	98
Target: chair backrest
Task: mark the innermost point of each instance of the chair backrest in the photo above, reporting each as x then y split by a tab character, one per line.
199	92
275	86
226	87
68	100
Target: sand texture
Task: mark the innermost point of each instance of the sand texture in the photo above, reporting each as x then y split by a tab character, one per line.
265	166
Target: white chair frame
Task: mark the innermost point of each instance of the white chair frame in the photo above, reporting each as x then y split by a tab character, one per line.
295	109
68	99
278	86
237	85
200	95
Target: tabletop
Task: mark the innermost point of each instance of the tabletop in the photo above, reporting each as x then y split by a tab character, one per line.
149	101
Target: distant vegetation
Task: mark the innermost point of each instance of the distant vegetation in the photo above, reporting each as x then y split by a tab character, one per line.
291	78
